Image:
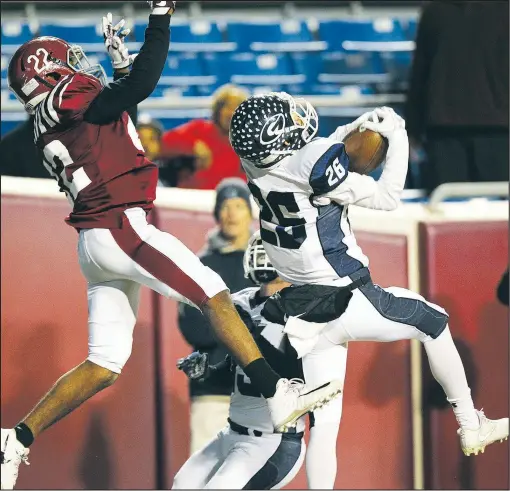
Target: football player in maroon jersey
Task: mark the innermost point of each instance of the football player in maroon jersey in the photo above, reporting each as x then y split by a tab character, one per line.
89	144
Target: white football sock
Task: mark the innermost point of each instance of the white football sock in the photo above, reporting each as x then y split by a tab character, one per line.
447	368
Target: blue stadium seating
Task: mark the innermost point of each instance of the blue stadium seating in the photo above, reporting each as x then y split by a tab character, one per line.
339	68
410	27
269	55
356	67
289	35
102	58
205	90
7	95
85	33
329	89
195	32
251	69
185	69
398	64
14	34
5	66
199	36
336	32
175	91
308	64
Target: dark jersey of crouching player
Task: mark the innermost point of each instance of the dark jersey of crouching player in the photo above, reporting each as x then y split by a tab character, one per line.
86	138
246	454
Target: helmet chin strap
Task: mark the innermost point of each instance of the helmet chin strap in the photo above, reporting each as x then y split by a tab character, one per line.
33	103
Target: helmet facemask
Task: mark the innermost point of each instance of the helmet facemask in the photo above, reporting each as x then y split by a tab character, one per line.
257	266
78	61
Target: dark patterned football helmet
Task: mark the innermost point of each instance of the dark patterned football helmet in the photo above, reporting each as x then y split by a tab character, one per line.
267	128
256	264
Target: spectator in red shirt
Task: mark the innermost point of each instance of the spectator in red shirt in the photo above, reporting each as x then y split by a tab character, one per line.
208	142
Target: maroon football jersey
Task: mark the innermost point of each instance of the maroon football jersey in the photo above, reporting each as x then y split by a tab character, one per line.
101	168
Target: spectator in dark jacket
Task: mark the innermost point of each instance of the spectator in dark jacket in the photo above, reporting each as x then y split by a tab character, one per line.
224	254
502	291
18	154
457	105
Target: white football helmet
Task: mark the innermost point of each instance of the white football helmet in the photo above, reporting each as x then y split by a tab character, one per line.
256	263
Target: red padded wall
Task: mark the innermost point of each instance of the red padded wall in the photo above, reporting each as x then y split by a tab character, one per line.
109	442
461	266
172	346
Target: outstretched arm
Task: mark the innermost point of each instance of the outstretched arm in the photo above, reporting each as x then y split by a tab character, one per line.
145	73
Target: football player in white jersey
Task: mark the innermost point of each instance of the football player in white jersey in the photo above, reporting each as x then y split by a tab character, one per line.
303	187
248	454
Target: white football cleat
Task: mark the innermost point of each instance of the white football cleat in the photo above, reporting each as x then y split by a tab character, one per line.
13	453
293	399
489	431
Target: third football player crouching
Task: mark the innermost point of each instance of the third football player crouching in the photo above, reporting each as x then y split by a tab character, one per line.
247	453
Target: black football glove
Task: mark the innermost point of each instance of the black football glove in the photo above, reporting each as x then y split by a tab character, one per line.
195	366
162	8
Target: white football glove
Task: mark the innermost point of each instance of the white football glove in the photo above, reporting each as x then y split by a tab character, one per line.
114	43
342	131
162	8
389	122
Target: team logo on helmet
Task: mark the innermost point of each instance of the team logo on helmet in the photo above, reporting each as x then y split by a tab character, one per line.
273	129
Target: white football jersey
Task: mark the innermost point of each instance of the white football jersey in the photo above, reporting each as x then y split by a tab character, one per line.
247	407
307	237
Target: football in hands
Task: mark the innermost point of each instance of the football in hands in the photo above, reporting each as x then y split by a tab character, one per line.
366	150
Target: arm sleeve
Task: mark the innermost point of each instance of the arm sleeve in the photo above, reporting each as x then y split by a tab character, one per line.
196	329
133	110
415	110
145	73
383	194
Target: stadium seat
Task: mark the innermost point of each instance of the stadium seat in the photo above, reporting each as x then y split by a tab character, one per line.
289	35
355	67
397	65
14	34
8	125
5	66
103	59
252	69
379	34
199	35
8	96
410	27
329	89
177	91
185	69
86	33
205	90
307	64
